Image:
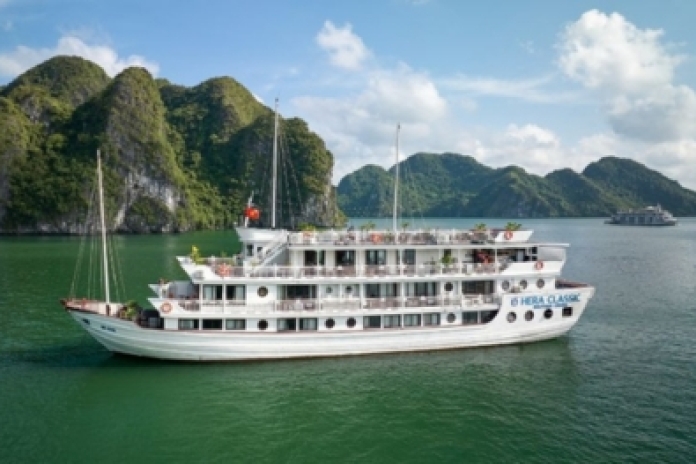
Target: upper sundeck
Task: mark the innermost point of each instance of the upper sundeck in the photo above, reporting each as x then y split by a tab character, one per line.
410	238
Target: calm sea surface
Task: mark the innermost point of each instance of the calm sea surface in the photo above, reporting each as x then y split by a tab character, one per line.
621	387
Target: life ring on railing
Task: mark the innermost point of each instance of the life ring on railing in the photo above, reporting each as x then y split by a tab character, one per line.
166	307
539	265
223	270
508	235
376	238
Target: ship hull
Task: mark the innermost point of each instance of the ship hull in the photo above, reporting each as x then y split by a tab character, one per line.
125	337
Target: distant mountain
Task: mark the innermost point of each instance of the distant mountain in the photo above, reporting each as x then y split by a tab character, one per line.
451	185
176	158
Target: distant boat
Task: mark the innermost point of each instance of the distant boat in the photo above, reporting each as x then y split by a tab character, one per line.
649	216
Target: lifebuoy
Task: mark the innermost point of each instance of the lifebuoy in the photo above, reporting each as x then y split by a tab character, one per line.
166	307
508	235
539	265
376	238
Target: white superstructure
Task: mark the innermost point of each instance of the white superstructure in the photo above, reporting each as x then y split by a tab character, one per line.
333	293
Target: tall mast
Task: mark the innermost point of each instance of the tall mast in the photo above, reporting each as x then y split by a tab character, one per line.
275	166
103	230
396	180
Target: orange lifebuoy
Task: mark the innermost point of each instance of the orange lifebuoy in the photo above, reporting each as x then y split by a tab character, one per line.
539	265
166	307
508	235
376	238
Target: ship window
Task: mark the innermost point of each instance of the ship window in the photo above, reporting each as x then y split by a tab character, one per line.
212	324
234	292
488	316
548	314
540	283
330	323
406	257
263	324
375	257
287	324
529	315
449	287
451	318
412	320
262	292
431	319
345	257
505	285
511	317
372	322
392	322
235	324
469	317
568	311
523	284
350	323
308	323
188	324
349	290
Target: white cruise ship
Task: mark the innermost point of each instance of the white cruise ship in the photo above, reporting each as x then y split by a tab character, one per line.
334	293
648	216
292	294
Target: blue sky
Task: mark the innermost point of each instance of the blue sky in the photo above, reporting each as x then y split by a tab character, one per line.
541	84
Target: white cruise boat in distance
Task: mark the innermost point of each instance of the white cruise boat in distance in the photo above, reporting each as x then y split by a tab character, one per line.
648	216
334	293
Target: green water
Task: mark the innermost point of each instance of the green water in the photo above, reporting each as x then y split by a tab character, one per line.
619	388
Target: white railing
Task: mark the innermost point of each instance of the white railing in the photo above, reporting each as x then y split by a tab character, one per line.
305	305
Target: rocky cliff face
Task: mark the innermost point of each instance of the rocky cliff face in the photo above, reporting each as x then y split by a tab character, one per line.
175	158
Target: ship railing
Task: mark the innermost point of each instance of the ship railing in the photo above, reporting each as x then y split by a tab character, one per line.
390	237
313	305
378	270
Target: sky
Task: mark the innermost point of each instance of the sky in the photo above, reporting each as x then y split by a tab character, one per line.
541	84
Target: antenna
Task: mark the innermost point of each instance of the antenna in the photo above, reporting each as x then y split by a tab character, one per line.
103	229
396	181
275	166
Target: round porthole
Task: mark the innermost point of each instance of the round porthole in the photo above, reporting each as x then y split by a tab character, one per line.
350	322
330	323
511	317
523	284
529	315
540	283
263	324
262	292
548	313
451	318
449	287
349	289
505	285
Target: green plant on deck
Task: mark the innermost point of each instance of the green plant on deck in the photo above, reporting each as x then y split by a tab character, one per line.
513	226
196	255
480	227
132	309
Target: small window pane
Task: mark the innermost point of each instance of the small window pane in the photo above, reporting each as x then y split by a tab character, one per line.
212	324
235	324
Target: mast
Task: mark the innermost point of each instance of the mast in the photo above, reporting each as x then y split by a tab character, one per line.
103	229
275	166
396	181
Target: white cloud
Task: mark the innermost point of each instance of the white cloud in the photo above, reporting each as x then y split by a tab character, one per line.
4	3
346	50
639	97
532	90
633	72
22	58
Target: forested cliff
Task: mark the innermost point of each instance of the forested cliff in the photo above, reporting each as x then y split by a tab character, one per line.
452	185
175	158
